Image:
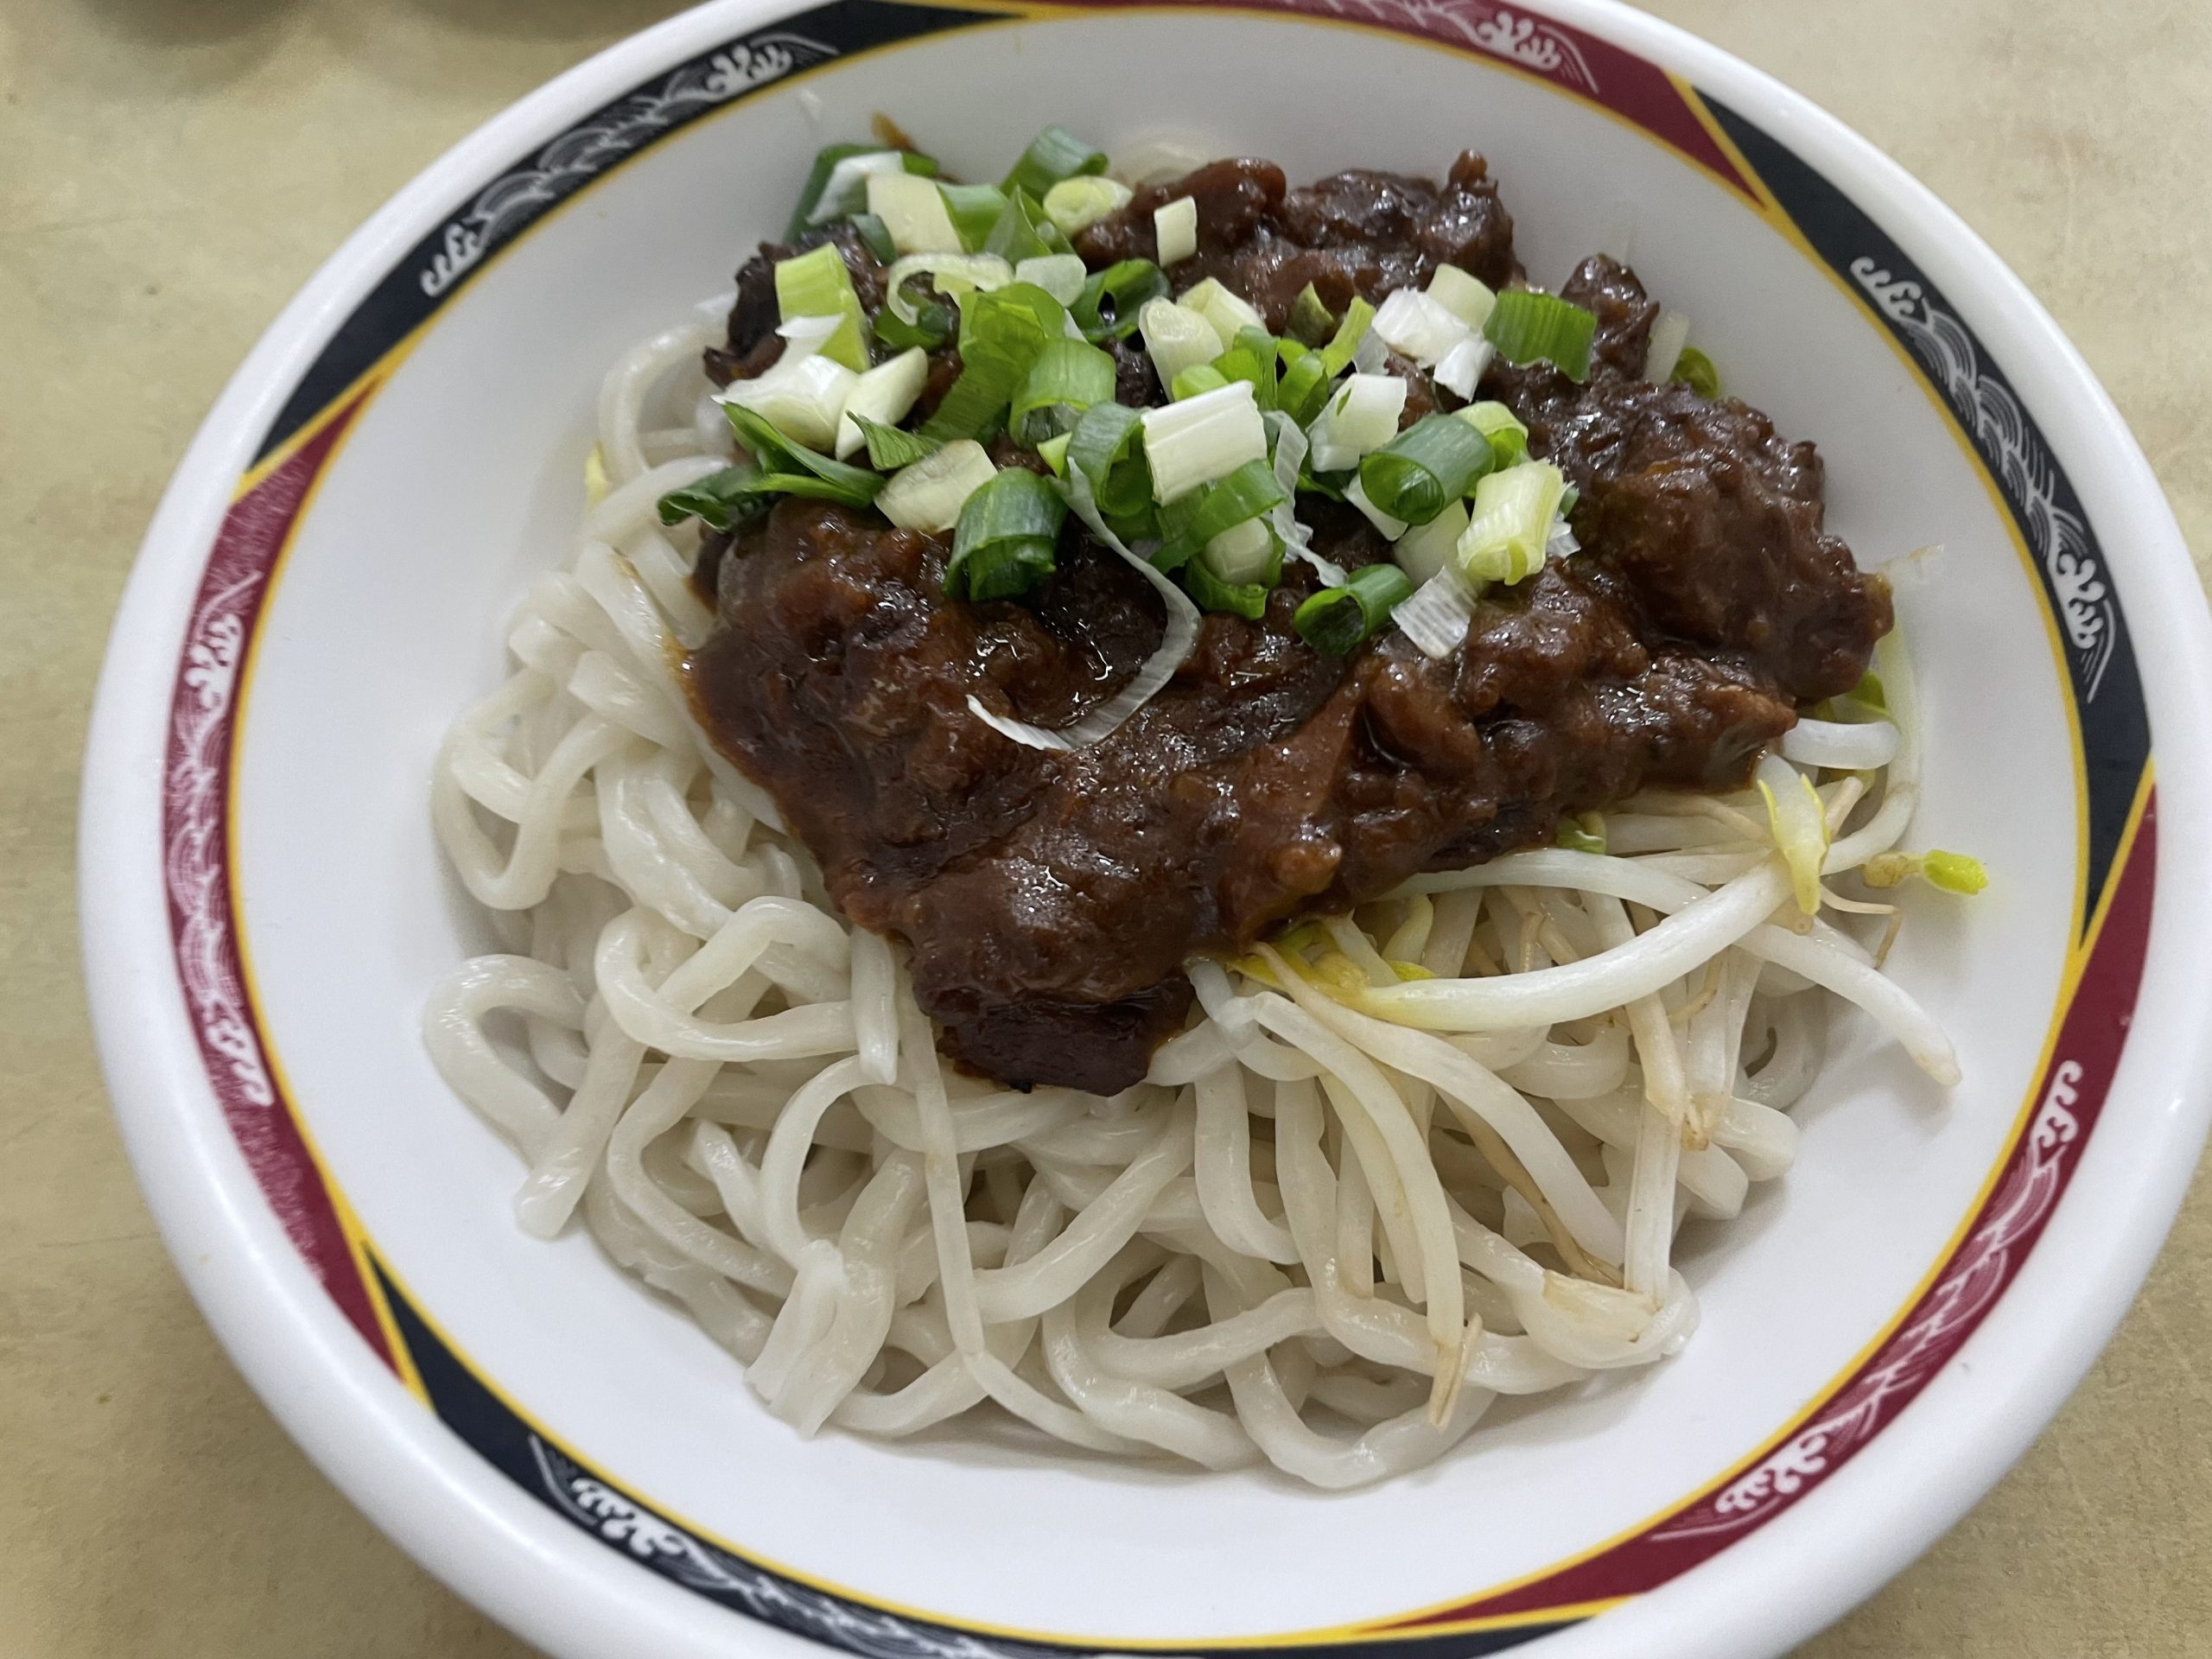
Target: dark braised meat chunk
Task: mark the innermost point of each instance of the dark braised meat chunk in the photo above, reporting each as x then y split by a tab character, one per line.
1049	900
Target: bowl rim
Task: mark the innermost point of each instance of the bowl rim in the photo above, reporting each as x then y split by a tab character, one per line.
542	1578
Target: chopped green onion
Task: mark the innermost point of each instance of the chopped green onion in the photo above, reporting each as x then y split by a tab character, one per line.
1420	325
975	208
801	397
1076	204
1228	312
1202	439
1244	553
776	450
928	494
913	213
1426	548
817	284
811	210
1671	332
951	274
1111	301
1356	492
1527	326
1196	520
1054	451
1249	600
889	449
875	237
1337	621
1433	463
1694	370
1312	322
1336	356
1060	275
1508	439
1068	377
1510	523
1252	356
1199	377
1582	832
720	501
933	324
1176	338
1007	533
1362	416
884	395
1951	872
1466	297
1106	449
1002	333
1305	387
1053	154
1022	231
1175	229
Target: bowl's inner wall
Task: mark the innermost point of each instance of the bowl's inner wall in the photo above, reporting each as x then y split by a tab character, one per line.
463	480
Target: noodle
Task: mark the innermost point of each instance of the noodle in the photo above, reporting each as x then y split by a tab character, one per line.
1291	1244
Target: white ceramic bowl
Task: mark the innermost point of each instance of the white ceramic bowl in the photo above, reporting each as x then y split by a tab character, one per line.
321	592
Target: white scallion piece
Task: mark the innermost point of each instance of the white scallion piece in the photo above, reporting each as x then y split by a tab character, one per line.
1439	614
1668	335
1369	356
1242	553
1856	746
802	396
1176	337
1078	204
884	394
851	185
1175	228
1202	439
1462	367
1362	416
929	494
1426	548
1060	275
953	274
1420	325
1391	528
1290	447
1467	298
912	209
1225	310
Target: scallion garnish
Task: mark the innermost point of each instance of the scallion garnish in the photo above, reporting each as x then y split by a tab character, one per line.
1175	229
1305	387
1426	548
1003	332
720	501
933	324
1176	337
1508	439
1312	322
1527	326
855	486
1225	310
1338	620
1022	231
1109	306
975	208
888	447
1060	275
1424	469
1202	439
1694	370
1510	523
1252	355
1360	416
1076	204
884	395
1005	541
1250	546
802	395
1106	449
913	214
1198	378
1195	520
875	237
1053	154
1467	297
851	193
816	284
1068	377
951	274
929	493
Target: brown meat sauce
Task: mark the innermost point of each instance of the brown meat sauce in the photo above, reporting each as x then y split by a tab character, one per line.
1049	900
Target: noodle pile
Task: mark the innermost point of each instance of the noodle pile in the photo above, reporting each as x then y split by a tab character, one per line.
1407	1161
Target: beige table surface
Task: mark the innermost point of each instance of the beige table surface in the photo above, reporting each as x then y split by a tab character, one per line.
170	171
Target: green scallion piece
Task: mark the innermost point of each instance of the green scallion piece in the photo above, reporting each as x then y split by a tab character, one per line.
932	326
1339	620
975	208
1508	439
1005	541
1107	308
1305	386
816	283
1246	598
1191	521
1433	463
1108	449
1068	377
1312	322
825	163
855	486
1053	154
1694	370
1198	379
1336	356
875	237
1527	326
720	501
1253	356
1022	231
888	447
1003	331
1054	451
